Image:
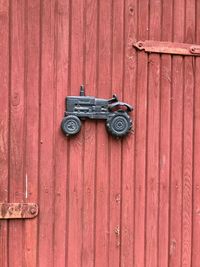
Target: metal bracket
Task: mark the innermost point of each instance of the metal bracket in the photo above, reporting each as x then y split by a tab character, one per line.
183	49
18	210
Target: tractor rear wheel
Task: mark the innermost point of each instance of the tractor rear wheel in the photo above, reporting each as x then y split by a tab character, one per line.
119	124
71	125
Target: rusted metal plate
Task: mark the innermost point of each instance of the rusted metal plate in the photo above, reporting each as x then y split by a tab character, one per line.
18	210
168	48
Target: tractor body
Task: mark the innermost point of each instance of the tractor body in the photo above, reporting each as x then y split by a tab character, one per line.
89	107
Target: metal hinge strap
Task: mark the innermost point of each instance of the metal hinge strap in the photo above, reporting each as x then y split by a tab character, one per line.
183	49
18	210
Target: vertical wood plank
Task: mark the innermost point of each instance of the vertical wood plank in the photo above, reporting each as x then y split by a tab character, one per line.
115	227
196	181
196	184
176	140
32	34
165	135
128	151
17	128
76	174
4	126
61	142
153	139
176	163
90	66
103	160
46	157
188	137
140	142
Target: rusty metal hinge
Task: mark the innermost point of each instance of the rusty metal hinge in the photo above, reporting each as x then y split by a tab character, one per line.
168	48
18	210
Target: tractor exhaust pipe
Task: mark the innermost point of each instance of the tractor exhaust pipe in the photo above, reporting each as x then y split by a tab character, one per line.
82	90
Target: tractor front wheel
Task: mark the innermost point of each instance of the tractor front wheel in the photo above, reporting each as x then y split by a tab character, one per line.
71	125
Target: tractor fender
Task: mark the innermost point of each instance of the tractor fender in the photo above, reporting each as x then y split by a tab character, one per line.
120	104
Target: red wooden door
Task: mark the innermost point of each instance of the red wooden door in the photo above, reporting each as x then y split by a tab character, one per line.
103	202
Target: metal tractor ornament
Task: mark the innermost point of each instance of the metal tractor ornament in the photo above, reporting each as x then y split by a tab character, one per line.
118	122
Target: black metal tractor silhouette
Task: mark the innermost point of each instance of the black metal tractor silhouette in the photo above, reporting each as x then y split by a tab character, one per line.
118	122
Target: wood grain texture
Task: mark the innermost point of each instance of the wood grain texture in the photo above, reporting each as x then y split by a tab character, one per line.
140	141
32	125
128	145
17	127
90	156
165	137
4	126
176	141
102	201
196	149
153	136
47	136
189	80
102	204
115	172
61	84
76	175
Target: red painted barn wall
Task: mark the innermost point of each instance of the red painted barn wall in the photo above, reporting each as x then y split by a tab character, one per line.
103	202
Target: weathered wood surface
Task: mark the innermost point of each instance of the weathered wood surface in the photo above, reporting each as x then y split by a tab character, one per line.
4	124
103	202
17	125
